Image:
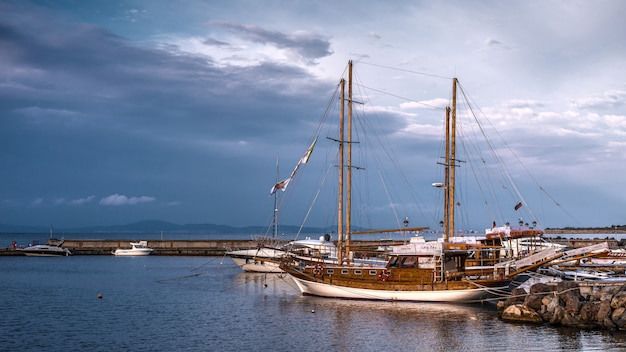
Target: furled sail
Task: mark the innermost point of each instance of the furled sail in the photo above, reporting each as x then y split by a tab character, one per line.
282	185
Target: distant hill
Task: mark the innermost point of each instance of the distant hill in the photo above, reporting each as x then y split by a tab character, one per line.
156	226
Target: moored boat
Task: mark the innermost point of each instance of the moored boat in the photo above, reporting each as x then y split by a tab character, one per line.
53	249
44	250
266	258
450	269
137	249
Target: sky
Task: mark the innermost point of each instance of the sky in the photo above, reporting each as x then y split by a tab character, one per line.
113	112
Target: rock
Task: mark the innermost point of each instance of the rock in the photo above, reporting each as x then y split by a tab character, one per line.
572	303
608	323
589	311
571	319
557	316
551	303
500	306
568	286
518	295
569	292
587	292
604	311
541	288
619	317
618	300
533	301
521	313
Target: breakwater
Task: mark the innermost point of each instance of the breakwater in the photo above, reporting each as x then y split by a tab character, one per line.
578	304
168	247
219	247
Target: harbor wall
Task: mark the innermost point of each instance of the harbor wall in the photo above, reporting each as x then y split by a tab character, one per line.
166	247
220	247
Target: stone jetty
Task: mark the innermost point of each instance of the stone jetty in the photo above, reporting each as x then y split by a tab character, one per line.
169	247
579	304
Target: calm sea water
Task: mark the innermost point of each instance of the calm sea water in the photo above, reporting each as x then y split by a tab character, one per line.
159	303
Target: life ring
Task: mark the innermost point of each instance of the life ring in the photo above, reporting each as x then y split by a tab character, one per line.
318	269
384	275
80	244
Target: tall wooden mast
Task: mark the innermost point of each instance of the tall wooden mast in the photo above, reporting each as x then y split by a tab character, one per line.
452	162
349	169
446	177
276	203
340	185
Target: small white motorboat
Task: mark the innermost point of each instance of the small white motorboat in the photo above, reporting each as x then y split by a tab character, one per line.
44	250
137	249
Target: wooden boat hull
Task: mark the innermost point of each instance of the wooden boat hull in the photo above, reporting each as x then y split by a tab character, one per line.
452	295
368	283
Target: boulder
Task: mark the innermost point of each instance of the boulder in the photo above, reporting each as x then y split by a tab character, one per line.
589	311
557	316
568	287
521	313
569	292
533	301
604	311
618	300
619	317
572	320
572	303
517	295
541	288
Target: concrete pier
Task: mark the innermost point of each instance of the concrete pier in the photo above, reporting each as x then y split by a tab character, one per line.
161	247
175	247
219	247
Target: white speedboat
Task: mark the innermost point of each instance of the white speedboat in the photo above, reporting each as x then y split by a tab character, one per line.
44	250
266	258
137	249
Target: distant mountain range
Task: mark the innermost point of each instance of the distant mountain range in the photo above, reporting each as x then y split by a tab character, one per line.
156	226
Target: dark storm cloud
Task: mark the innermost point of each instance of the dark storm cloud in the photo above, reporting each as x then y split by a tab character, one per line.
130	124
307	46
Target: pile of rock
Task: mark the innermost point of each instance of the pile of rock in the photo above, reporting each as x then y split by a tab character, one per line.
568	303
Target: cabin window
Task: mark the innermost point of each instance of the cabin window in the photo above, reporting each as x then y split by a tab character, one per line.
409	262
358	272
345	271
330	271
373	272
393	263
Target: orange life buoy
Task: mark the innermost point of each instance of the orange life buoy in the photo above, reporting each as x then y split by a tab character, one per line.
384	275
318	269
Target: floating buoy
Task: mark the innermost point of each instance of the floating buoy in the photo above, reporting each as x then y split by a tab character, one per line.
99	295
264	285
312	310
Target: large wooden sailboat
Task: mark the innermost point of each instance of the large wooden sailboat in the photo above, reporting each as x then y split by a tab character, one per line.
450	269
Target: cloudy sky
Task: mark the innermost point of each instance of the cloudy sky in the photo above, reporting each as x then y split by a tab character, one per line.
115	112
